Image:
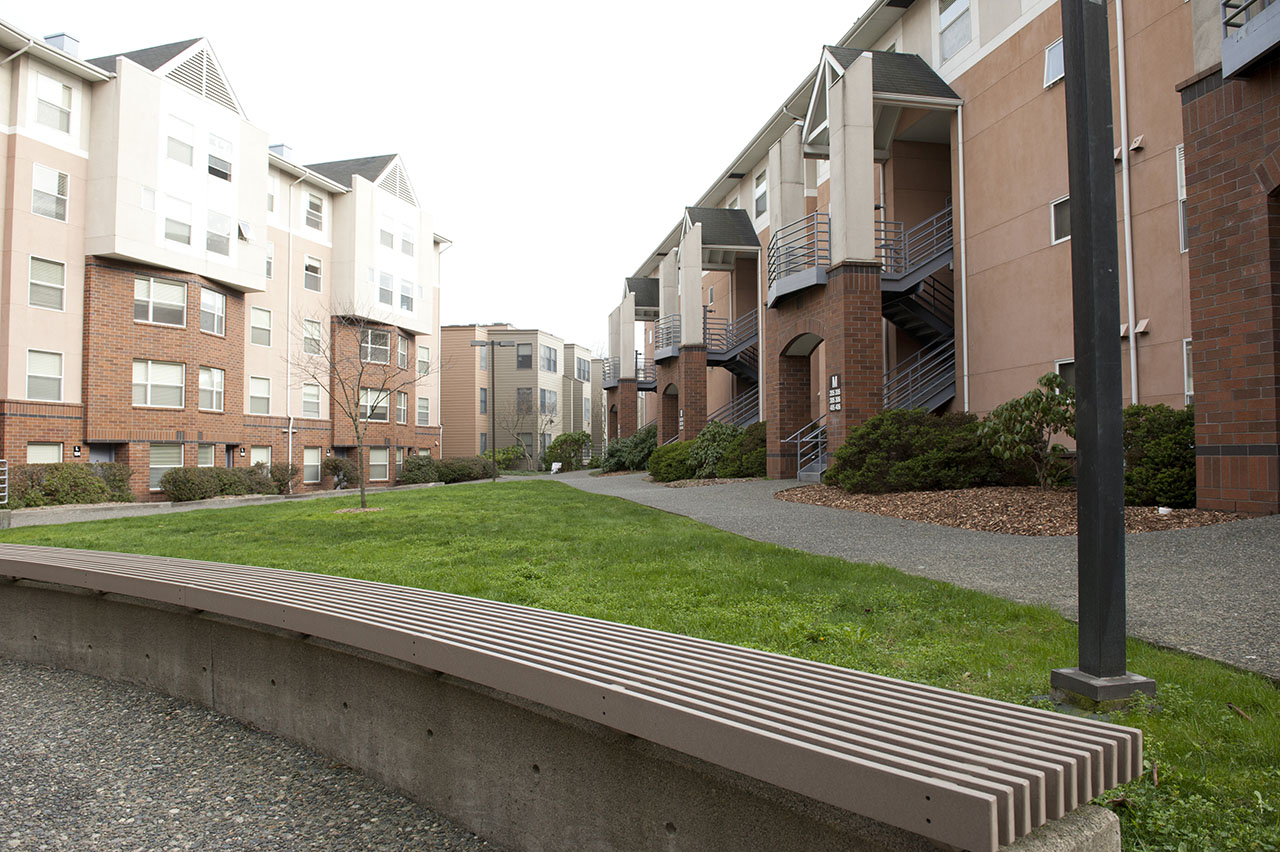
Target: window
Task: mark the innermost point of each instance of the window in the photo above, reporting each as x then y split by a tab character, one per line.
387	238
1067	369
373	404
315	211
46	284
484	443
711	295
160	302
1188	385
159	384
524	400
310	465
547	401
379	464
482	356
311	337
148	199
549	359
524	356
583	369
212	381
311	277
177	220
164	458
402	407
1182	198
1060	210
545	442
1054	64
260	326
181	143
219	157
406	295
260	455
271	202
218	234
213	311
386	288
44	375
259	395
204	455
953	26
53	103
402	352
762	193
484	400
406	242
424	410
424	360
49	189
399	461
271	260
526	442
375	346
311	401
43	453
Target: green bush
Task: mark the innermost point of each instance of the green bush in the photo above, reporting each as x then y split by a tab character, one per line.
670	462
913	450
464	469
343	470
258	478
509	457
231	481
709	447
283	475
746	455
1022	428
419	469
65	483
567	449
595	462
116	475
631	453
1159	456
184	484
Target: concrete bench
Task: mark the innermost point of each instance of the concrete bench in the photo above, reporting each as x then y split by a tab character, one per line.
638	723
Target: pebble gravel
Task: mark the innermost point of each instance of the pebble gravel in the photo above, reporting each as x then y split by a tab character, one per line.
88	764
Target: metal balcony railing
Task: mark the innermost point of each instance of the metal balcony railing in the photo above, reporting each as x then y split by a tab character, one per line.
723	335
611	370
803	244
742	410
666	332
1237	13
914	381
1250	33
646	370
900	250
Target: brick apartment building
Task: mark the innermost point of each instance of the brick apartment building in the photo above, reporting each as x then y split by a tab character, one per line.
897	235
170	279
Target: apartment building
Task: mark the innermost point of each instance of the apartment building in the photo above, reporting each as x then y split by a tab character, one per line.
171	279
534	386
897	235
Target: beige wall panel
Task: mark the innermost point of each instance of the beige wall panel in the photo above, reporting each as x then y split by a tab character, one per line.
996	16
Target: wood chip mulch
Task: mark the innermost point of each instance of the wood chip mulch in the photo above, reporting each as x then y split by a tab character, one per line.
357	510
1016	511
690	483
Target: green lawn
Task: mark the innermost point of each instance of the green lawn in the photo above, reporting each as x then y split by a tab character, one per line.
545	544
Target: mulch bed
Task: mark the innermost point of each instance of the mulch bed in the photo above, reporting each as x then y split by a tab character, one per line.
358	510
690	483
1016	511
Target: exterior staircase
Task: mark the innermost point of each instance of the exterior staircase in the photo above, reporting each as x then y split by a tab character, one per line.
742	410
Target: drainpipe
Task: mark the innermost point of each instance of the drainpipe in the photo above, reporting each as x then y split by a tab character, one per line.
964	266
12	56
288	334
1127	205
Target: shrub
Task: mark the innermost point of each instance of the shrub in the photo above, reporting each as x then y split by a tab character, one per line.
913	450
595	462
746	455
1022	428
567	449
464	469
1159	456
184	484
116	475
343	470
258	478
670	462
710	446
509	457
283	475
232	481
631	453
65	483
418	469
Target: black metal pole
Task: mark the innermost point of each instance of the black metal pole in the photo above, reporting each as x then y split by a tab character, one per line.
1096	310
493	410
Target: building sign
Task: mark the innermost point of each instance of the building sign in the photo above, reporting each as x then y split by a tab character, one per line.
681	426
834	397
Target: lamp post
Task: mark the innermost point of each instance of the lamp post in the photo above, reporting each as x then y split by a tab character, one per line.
493	409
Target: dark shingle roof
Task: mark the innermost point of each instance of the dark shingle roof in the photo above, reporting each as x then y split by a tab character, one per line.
722	227
150	58
646	290
341	171
897	73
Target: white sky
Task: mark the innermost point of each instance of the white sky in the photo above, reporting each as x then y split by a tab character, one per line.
556	144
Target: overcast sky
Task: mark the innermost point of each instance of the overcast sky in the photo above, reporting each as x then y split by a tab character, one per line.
555	143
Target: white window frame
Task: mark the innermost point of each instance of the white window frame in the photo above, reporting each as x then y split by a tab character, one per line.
373	400
62	109
947	18
423	413
407	243
307	465
402	407
760	194
152	478
406	295
215	387
200	455
399	461
151	301
220	158
177	212
148	384
271	261
258	396
1188	377
45	445
62	365
1181	163
260	454
61	191
386	239
312	344
548	402
484	400
60	287
1059	363
183	133
311	398
255	314
386	289
385	464
402	352
313	213
219	316
1054	239
308	275
424	359
368	348
1049	55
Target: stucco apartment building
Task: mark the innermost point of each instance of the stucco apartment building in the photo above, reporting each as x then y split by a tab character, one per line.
541	388
170	278
897	235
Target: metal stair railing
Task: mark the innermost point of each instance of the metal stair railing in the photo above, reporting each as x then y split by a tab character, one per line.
671	440
666	332
742	410
1237	13
811	446
723	335
939	297
910	383
901	250
803	244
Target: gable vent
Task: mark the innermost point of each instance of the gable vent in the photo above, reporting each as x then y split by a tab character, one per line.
396	183
199	73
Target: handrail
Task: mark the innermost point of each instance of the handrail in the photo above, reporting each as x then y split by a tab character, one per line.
671	440
1237	13
666	332
901	250
800	245
722	334
742	410
811	425
646	370
612	369
918	377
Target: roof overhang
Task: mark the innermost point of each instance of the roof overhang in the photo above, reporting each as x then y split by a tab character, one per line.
16	40
308	176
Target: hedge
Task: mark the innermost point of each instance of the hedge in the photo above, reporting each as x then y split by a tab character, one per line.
1159	456
631	453
670	462
67	483
183	484
745	456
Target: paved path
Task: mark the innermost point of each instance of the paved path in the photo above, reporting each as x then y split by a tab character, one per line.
1213	591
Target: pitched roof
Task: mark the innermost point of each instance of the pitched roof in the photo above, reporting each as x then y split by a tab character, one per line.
341	171
646	290
897	73
151	58
722	227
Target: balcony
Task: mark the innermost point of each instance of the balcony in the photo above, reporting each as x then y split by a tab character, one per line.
732	344
908	256
610	372
646	373
666	337
1250	32
799	255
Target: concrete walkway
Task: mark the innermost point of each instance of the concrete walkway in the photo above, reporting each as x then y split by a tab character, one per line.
1213	591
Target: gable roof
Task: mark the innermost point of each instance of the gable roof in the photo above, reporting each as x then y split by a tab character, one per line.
721	227
897	73
151	58
342	171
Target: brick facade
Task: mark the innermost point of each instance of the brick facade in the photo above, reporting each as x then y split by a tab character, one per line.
683	412
1232	150
844	314
623	415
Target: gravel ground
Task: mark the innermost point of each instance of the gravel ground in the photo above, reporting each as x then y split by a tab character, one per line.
1213	591
87	764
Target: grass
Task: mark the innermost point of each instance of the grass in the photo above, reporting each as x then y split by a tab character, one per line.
544	544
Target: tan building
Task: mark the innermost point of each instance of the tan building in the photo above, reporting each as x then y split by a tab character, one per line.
535	386
171	278
897	234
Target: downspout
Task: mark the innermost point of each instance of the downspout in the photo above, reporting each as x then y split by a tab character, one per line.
1127	206
12	56
964	266
288	339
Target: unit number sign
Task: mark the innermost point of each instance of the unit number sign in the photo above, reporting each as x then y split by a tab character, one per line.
834	397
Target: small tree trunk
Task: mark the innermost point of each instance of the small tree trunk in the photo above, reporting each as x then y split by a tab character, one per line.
364	503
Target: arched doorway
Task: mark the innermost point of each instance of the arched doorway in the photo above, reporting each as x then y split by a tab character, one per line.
668	413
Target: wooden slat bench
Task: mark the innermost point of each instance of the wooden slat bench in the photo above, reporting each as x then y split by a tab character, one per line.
968	772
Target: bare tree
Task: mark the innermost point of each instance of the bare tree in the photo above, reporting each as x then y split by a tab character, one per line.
525	417
358	361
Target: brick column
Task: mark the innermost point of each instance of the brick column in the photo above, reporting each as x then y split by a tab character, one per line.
668	407
1233	230
622	424
692	367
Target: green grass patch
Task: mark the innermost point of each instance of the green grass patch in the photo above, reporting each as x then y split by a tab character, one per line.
545	544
